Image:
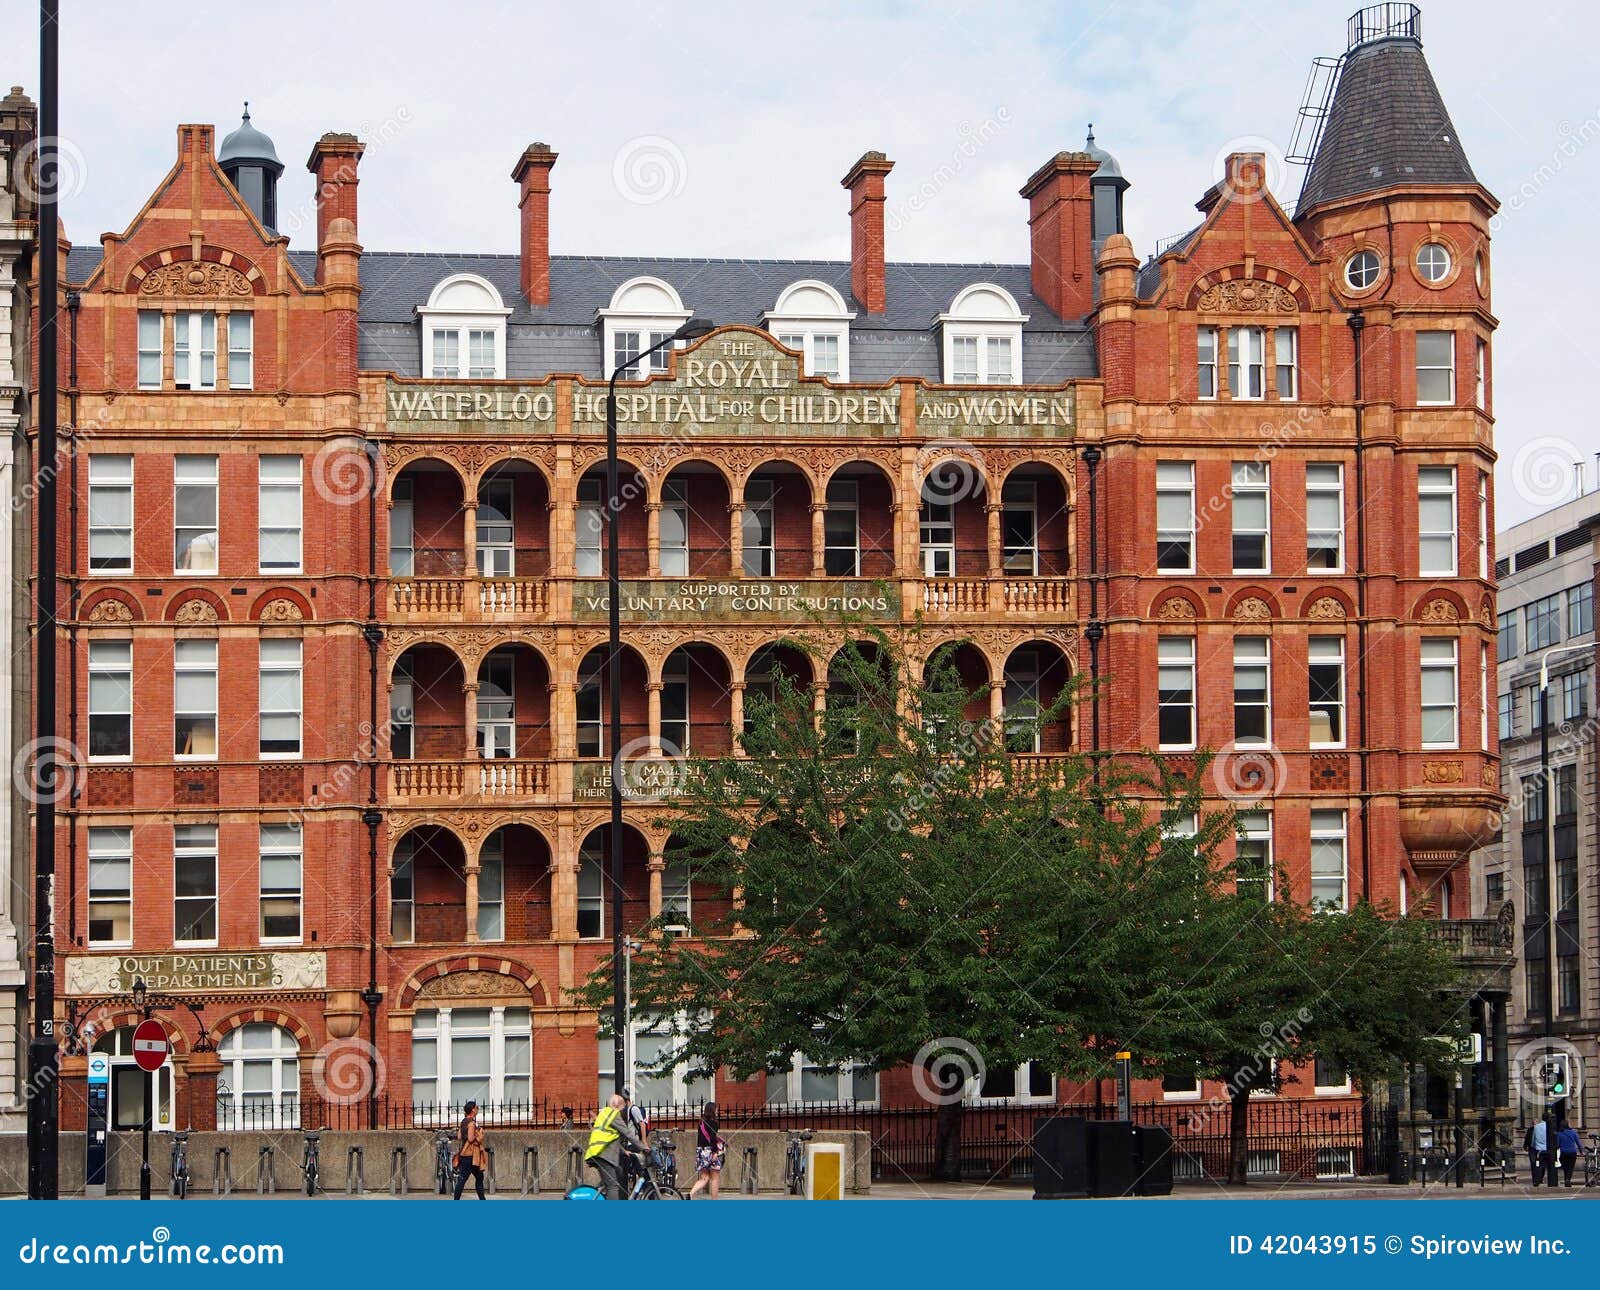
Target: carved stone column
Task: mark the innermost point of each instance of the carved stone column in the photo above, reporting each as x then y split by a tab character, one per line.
996	561
736	716
736	531
564	719
169	331
819	511
657	866
652	515
472	899
819	703
223	382
564	885
469	539
653	716
470	693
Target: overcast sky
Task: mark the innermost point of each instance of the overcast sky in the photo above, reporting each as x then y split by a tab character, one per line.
724	129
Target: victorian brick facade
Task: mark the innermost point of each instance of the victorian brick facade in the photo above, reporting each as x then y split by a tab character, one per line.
338	538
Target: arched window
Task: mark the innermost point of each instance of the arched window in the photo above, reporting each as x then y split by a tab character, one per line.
811	316
259	1087
482	1055
983	337
643	312
464	330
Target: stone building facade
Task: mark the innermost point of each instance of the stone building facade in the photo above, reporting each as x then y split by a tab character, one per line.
363	489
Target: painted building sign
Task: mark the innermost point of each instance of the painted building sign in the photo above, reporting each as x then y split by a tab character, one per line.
100	974
771	600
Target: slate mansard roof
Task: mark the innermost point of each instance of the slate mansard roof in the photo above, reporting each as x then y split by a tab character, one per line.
564	336
1387	126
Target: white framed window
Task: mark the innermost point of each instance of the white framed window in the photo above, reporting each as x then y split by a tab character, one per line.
1436	520
591	724
591	891
492	888
1480	368
937	538
805	1083
1180	1088
194	507
464	330
652	1041
496	703
402	531
150	347
676	892
1246	362
1508	714
1433	262
1286	362
497	535
1253	851
1175	692
482	1055
194	700
194	884
1020	694
259	1087
1175	516
111	886
110	700
1206	362
759	552
279	518
982	334
1252	690
841	529
110	513
591	527
1330	1079
1362	270
674	529
1325	669
194	350
643	312
1440	693
812	317
402	711
675	725
241	350
403	892
280	693
1031	1082
1251	518
1019	528
1483	696
1436	367
1325	516
282	883
1484	562
1329	863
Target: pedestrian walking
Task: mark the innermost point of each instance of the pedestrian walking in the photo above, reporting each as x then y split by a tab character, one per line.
709	1152
611	1129
472	1157
1537	1144
1570	1148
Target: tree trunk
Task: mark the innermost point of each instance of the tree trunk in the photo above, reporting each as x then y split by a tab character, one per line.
1238	1135
947	1140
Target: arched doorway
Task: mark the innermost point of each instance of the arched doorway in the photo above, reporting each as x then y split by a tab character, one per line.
126	1109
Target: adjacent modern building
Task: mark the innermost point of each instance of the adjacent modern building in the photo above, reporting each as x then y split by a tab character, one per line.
339	612
1545	865
18	235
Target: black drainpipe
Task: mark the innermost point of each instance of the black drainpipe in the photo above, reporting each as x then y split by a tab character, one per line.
74	595
1358	322
372	817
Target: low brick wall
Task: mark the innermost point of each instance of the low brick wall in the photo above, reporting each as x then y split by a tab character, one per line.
381	1164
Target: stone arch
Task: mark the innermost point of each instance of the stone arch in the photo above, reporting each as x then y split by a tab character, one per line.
124	1015
111	606
495	823
485	963
1285	283
1441	606
263	1015
281	605
209	609
175	273
397	461
537	461
1327	604
466	661
1177	605
1253	605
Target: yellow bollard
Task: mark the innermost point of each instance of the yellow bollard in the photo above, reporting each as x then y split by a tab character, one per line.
824	1171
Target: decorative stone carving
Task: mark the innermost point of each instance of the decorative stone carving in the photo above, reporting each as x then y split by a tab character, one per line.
1439	610
1176	609
198	278
1244	296
1441	772
1486	613
1491	775
110	611
1252	609
1326	608
195	611
473	985
281	610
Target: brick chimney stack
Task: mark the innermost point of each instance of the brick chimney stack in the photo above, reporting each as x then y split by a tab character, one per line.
868	282
334	161
532	173
1060	218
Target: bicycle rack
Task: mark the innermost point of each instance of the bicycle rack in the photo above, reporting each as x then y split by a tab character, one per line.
574	1167
222	1172
397	1172
266	1174
355	1172
180	1139
530	1170
488	1174
750	1182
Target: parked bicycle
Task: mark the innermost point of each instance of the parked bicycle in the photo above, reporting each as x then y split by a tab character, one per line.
651	1182
180	1164
794	1161
309	1166
444	1171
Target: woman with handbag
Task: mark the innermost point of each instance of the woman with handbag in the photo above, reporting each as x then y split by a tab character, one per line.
709	1152
472	1157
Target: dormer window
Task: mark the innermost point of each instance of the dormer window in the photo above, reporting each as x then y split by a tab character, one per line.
811	316
983	337
643	312
464	331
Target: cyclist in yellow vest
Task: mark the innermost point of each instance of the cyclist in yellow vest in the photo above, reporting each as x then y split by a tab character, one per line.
610	1131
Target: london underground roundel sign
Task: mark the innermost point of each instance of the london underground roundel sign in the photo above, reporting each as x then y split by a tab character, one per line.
150	1045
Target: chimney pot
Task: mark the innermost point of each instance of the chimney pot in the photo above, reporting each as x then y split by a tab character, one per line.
868	278
1061	226
532	173
335	160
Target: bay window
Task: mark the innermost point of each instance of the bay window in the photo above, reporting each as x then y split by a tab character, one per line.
1440	693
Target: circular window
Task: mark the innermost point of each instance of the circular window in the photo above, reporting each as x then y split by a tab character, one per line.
1361	270
1433	262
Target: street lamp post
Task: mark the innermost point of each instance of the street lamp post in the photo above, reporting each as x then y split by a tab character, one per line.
141	1003
692	330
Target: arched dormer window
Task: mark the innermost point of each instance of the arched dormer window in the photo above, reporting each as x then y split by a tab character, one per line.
982	337
811	316
464	330
643	312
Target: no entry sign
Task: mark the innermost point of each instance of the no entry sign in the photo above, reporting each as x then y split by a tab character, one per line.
150	1045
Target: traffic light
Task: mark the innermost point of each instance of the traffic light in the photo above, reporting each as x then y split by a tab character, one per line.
1555	1076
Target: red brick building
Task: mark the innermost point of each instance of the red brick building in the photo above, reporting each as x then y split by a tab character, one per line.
338	613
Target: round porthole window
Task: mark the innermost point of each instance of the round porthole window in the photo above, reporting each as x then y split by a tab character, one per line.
1361	270
1433	262
1480	271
